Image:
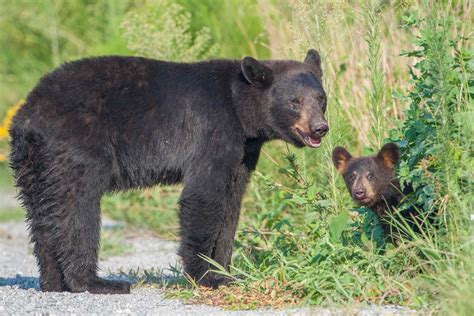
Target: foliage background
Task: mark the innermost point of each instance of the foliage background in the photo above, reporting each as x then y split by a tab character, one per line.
399	70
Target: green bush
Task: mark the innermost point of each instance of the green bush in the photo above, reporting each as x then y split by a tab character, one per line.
161	30
436	136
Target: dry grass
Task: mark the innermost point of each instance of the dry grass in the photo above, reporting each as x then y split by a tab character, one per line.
265	294
338	31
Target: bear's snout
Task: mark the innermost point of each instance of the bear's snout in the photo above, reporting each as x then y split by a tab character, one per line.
319	129
359	194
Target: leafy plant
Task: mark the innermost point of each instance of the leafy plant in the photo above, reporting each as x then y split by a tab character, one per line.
161	29
435	142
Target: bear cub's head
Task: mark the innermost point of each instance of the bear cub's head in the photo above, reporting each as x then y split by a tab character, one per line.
294	101
370	180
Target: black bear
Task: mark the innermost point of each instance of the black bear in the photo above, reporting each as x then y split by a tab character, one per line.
372	182
117	123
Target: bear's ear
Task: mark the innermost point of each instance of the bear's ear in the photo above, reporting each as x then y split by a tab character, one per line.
256	73
340	158
389	155
314	61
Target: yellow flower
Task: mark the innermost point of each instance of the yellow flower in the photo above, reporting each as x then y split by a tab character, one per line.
8	119
3	157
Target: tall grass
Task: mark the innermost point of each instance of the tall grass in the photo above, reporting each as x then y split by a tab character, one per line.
340	31
376	93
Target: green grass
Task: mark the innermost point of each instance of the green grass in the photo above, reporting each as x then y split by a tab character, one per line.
11	214
112	243
6	178
155	209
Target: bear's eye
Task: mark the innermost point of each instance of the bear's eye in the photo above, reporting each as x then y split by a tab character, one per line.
352	177
296	103
370	176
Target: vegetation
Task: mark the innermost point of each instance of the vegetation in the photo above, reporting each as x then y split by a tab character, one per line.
11	214
399	71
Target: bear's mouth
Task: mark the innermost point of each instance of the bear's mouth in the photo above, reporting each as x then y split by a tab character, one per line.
364	201
309	140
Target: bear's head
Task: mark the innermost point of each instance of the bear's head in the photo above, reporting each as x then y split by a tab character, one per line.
292	98
369	179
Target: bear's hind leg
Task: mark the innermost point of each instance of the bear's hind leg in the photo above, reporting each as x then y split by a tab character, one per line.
51	279
35	180
79	241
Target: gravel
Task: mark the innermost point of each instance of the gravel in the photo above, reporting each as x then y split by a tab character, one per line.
7	199
20	294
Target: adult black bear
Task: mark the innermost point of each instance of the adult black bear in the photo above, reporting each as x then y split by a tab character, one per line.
117	123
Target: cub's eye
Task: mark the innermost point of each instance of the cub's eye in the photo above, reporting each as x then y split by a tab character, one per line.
370	176
352	177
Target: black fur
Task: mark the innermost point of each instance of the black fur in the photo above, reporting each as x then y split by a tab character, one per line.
116	123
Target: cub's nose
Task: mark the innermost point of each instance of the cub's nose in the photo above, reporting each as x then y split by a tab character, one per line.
320	129
359	193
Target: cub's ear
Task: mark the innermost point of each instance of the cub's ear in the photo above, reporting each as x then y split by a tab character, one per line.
256	73
314	61
340	158
389	155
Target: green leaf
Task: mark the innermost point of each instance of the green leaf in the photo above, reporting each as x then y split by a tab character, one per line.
299	199
337	226
312	192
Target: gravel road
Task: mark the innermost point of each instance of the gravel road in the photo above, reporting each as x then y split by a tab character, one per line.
20	294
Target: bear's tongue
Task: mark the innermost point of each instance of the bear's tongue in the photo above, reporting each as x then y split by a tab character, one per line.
312	141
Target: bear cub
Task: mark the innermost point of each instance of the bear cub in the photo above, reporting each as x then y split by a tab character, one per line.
372	182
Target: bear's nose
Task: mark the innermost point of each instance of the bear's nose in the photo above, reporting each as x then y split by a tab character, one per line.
320	129
359	193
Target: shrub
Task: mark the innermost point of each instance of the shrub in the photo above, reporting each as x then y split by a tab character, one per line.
161	30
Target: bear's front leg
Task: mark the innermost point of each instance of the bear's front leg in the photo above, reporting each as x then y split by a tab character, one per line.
225	239
205	220
201	216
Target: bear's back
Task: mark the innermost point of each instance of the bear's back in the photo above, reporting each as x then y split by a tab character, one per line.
117	92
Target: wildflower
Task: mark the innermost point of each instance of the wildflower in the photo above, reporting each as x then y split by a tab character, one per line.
8	119
5	125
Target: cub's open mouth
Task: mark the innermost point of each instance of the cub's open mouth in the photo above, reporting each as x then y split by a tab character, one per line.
309	140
